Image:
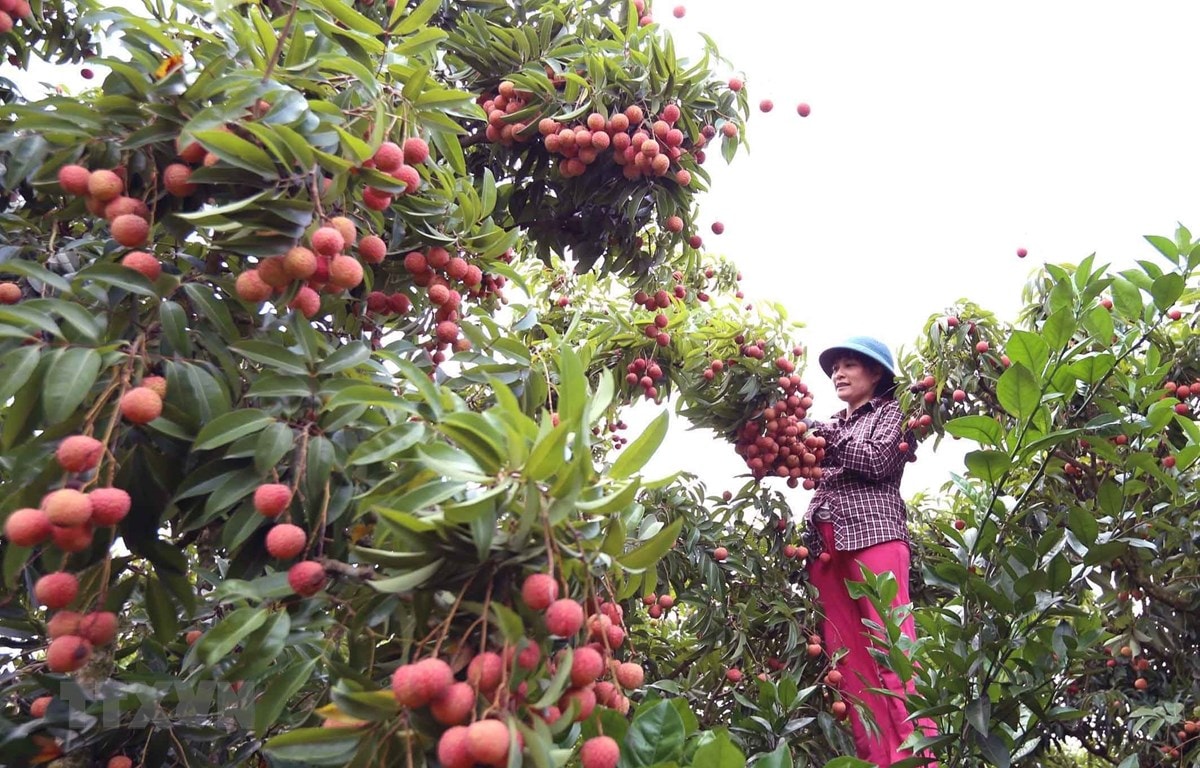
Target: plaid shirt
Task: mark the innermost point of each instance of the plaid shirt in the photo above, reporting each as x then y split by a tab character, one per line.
860	478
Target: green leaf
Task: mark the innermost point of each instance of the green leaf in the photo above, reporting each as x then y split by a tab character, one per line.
269	706
982	429
15	369
1165	246
347	356
345	13
272	355
721	752
635	455
368	394
219	642
979	714
69	378
451	462
546	457
387	443
238	152
1083	525
273	444
1127	298
655	736
230	426
1093	368
1167	290
1099	323
413	21
651	551
988	466
114	275
781	757
406	582
205	304
1018	391
315	746
174	324
1029	350
271	385
572	386
995	751
161	611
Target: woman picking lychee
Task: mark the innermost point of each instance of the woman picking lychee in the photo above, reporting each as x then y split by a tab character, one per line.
857	520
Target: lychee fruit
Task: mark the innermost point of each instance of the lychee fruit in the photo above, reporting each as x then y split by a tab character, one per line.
119	761
192	636
123	205
600	752
454	706
586	666
73	538
156	383
79	453
28	527
720	554
68	653
415	262
307	302
376	199
345	271
63	623
38	707
145	263
347	229
109	505
299	263
452	749
130	230
328	241
10	293
306	578
564	617
191	153
388	157
803	110
251	287
488	742
56	590
539	590
630	675
67	506
272	272
270	499
98	628
416	151
285	541
372	249
446	332
104	185
74	179
485	671
585	698
679	12
415	685
409	176
141	405
177	180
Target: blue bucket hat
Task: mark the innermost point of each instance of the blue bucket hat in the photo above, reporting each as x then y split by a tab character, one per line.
866	346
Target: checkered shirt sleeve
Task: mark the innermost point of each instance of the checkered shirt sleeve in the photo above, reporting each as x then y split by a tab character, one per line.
860	481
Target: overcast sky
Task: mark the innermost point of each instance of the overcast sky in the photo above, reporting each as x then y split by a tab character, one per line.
943	136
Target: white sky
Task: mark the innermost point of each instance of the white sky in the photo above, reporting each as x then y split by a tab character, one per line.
943	136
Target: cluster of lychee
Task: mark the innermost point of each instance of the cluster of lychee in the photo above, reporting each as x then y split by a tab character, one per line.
774	442
1188	736
68	516
399	162
1182	392
323	267
104	195
612	428
11	11
645	373
444	278
285	540
73	636
499	681
657	605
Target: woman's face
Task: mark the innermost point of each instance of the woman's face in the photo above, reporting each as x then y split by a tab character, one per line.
855	380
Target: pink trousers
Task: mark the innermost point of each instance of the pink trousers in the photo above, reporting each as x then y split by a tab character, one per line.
843	628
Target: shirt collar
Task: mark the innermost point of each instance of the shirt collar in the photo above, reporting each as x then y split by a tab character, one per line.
873	404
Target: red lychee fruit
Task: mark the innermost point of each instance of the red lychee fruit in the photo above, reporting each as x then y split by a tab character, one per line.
56	590
388	157
250	287
733	675
68	653
63	623
285	541
307	302
141	405
10	293
415	685
600	752
306	578
447	332
79	453
717	227
299	263
564	617
177	179
73	538
372	249
345	272
454	706
157	384
1022	253
803	110
119	761
67	506
376	199
586	698
416	151
720	554
28	527
272	272
415	262
144	263
38	707
438	257
735	84
73	179
347	228
485	671
409	176
98	628
766	105
488	742
630	675
679	12
674	224
452	750
104	185
270	499
123	205
192	636
539	590
327	241
130	230
109	505
586	666
191	153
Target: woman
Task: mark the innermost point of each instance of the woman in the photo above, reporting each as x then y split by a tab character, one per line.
859	519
